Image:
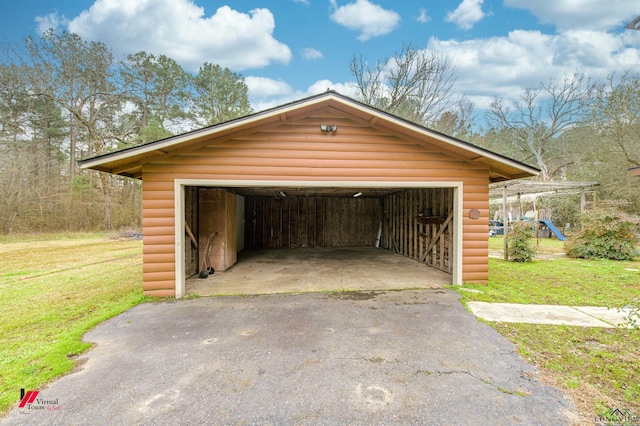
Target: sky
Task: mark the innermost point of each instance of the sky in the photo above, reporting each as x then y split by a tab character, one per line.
290	49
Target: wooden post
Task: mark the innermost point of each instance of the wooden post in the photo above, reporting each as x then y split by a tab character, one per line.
583	204
537	219
505	222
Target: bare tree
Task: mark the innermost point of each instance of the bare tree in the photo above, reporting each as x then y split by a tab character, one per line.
78	76
457	123
414	84
616	116
536	122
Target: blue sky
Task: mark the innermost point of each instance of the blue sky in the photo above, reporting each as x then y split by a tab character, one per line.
289	49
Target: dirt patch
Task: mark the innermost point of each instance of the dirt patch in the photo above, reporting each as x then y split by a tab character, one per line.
126	235
499	254
355	295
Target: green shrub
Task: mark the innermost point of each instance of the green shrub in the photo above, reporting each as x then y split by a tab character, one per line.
604	235
520	242
631	313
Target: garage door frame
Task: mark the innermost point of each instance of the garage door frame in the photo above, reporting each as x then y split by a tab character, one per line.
179	211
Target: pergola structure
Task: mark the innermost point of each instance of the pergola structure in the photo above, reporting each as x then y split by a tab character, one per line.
515	189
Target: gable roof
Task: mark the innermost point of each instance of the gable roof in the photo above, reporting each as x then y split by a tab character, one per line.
128	162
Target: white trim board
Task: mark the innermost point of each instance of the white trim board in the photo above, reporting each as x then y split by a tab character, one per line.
179	211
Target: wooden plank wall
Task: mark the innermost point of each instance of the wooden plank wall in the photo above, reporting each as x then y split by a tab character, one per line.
404	234
191	217
297	150
311	222
217	213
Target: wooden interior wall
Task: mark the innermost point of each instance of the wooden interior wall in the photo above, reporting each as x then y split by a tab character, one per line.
311	222
217	214
191	221
426	238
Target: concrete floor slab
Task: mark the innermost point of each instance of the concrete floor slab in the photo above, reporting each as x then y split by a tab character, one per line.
534	314
319	269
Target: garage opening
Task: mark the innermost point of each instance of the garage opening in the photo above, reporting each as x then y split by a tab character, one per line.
284	238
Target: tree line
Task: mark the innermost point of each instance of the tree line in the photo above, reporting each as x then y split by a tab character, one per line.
63	98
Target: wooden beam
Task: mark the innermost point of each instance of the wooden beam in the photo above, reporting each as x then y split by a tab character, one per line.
438	235
191	236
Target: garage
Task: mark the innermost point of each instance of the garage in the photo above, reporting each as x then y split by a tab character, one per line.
326	238
325	172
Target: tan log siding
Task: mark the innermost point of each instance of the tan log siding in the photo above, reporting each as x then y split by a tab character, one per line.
354	153
159	240
157	204
475	244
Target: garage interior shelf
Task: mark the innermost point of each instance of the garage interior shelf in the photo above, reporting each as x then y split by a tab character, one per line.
431	219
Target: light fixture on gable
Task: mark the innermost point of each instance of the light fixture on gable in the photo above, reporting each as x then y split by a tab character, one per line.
329	128
357	194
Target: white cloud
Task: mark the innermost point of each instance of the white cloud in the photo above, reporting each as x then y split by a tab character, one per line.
265	93
305	2
52	20
263	87
583	14
504	66
467	14
423	17
322	86
368	18
310	53
179	29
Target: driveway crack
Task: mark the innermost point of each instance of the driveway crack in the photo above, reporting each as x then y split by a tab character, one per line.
485	381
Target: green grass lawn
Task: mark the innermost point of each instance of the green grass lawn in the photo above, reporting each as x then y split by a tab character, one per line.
599	368
52	290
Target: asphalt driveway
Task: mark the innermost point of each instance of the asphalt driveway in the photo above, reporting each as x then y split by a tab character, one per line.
400	357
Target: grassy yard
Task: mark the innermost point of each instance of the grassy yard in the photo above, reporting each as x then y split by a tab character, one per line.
598	368
52	290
